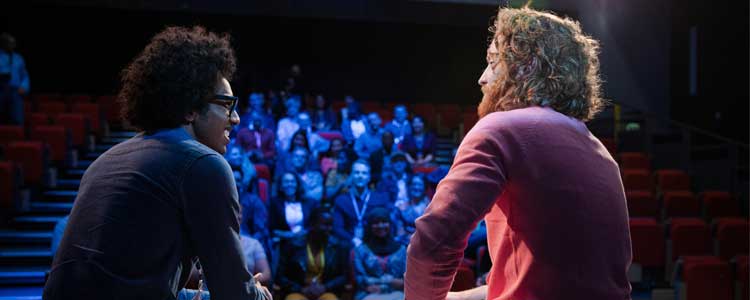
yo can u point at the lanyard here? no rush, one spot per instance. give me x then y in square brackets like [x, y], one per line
[316, 265]
[360, 214]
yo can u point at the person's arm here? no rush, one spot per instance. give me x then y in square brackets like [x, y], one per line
[262, 267]
[462, 199]
[339, 224]
[211, 211]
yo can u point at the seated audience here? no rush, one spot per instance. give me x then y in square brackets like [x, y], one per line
[394, 182]
[420, 145]
[288, 125]
[317, 143]
[312, 180]
[353, 122]
[257, 140]
[256, 104]
[371, 140]
[349, 209]
[379, 262]
[399, 126]
[255, 256]
[328, 160]
[337, 180]
[314, 266]
[323, 116]
[408, 212]
[380, 160]
[289, 211]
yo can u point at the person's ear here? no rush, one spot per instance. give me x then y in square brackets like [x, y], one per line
[190, 117]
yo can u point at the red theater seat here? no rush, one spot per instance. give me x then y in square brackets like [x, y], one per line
[681, 204]
[92, 112]
[80, 98]
[338, 105]
[37, 118]
[672, 180]
[77, 124]
[49, 97]
[10, 133]
[111, 108]
[637, 179]
[55, 137]
[424, 170]
[263, 190]
[718, 204]
[450, 115]
[263, 171]
[31, 157]
[706, 277]
[470, 119]
[52, 108]
[8, 184]
[642, 204]
[647, 242]
[369, 106]
[330, 135]
[732, 237]
[634, 160]
[689, 236]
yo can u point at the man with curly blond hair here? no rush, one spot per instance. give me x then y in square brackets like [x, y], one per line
[549, 192]
[147, 207]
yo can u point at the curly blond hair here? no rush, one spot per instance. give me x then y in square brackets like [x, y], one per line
[544, 60]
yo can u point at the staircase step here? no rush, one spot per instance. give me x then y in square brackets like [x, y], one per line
[68, 184]
[60, 196]
[25, 256]
[25, 238]
[36, 222]
[61, 207]
[20, 276]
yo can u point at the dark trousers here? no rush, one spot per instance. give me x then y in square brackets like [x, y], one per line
[11, 105]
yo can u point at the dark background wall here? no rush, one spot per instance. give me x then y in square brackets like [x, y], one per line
[394, 50]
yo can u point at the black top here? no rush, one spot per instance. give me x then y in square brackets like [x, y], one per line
[144, 209]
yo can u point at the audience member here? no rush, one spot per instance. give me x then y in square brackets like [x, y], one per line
[420, 145]
[380, 262]
[314, 266]
[237, 158]
[257, 140]
[399, 126]
[380, 160]
[317, 143]
[288, 125]
[350, 209]
[353, 122]
[323, 116]
[14, 81]
[256, 103]
[371, 140]
[337, 180]
[290, 210]
[408, 212]
[255, 255]
[395, 180]
[328, 160]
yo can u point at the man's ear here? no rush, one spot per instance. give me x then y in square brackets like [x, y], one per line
[190, 118]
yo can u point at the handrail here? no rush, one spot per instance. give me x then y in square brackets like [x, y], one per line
[685, 125]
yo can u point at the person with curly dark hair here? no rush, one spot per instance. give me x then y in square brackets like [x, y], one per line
[148, 207]
[548, 190]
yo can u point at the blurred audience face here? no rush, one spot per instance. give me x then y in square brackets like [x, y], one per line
[337, 145]
[303, 119]
[234, 157]
[292, 106]
[289, 185]
[299, 140]
[323, 224]
[400, 113]
[417, 125]
[416, 187]
[387, 139]
[320, 102]
[257, 101]
[399, 167]
[380, 227]
[299, 159]
[374, 120]
[341, 159]
[256, 120]
[360, 175]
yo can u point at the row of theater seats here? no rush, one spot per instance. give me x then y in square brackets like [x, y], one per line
[697, 242]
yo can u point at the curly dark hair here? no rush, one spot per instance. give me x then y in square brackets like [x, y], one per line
[175, 74]
[545, 60]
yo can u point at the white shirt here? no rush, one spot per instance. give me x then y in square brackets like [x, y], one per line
[294, 217]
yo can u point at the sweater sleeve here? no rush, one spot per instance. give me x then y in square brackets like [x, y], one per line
[462, 199]
[211, 212]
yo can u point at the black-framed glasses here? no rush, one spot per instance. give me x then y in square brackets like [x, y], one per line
[223, 100]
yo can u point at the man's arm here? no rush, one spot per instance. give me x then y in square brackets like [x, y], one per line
[462, 199]
[211, 211]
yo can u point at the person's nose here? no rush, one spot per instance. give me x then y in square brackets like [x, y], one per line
[485, 76]
[234, 118]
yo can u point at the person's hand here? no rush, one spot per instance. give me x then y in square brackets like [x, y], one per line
[263, 290]
[356, 242]
[317, 289]
[373, 289]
